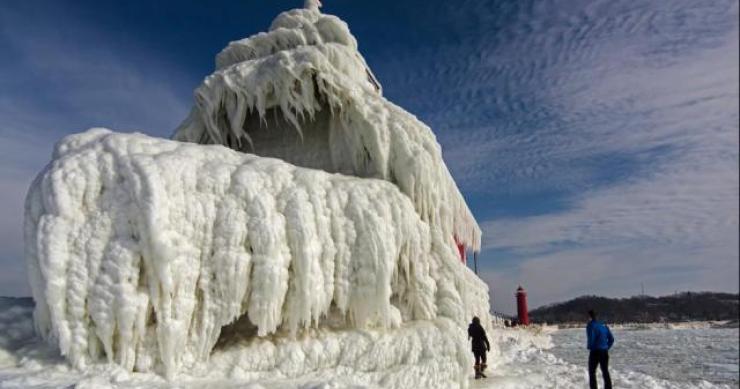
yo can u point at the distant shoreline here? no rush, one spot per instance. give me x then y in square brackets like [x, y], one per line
[676, 325]
[677, 308]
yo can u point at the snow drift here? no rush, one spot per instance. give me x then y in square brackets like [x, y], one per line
[150, 253]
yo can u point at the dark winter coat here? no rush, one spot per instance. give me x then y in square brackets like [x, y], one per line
[479, 339]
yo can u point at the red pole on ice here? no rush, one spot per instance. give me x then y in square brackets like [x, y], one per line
[460, 250]
[521, 306]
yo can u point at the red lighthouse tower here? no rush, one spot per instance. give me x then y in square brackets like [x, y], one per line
[521, 306]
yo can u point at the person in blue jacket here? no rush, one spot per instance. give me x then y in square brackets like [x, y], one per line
[599, 341]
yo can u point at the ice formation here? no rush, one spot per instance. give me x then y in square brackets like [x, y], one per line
[303, 93]
[334, 218]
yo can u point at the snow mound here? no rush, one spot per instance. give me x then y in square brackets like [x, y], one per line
[141, 250]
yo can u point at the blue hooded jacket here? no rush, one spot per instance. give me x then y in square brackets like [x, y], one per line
[598, 336]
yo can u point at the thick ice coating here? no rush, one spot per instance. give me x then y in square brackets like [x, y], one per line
[339, 226]
[141, 249]
[303, 93]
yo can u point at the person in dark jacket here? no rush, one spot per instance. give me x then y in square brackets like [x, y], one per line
[599, 341]
[480, 345]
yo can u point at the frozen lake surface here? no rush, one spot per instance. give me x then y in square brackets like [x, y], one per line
[649, 358]
[520, 359]
[680, 355]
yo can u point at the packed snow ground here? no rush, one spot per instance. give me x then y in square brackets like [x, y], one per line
[521, 360]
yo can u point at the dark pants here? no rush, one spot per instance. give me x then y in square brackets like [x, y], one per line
[480, 357]
[599, 358]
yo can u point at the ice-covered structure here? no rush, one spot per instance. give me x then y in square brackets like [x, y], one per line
[303, 93]
[333, 216]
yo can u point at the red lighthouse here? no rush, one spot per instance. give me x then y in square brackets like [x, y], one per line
[521, 306]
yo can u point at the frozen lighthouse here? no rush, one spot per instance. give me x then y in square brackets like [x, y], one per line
[297, 223]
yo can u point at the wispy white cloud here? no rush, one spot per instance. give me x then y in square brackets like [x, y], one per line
[617, 270]
[676, 230]
[634, 122]
[500, 87]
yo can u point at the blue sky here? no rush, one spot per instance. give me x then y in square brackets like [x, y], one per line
[596, 141]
